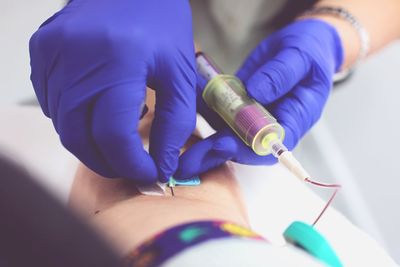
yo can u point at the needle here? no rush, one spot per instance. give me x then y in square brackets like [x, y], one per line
[171, 184]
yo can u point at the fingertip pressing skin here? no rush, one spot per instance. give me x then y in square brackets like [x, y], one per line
[175, 113]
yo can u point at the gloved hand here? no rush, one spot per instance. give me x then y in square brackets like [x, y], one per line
[290, 73]
[91, 63]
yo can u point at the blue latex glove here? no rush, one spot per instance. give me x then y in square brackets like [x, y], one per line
[91, 63]
[290, 73]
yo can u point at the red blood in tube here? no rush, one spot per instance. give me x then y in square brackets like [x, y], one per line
[250, 120]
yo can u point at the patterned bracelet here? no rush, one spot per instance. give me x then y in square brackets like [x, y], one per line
[361, 31]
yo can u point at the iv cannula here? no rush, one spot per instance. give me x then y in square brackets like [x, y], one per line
[257, 128]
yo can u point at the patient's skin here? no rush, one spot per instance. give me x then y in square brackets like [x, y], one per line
[128, 218]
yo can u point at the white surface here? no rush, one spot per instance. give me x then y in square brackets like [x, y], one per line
[18, 20]
[359, 211]
[242, 252]
[368, 109]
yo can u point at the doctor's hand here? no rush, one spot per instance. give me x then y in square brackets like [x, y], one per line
[91, 63]
[290, 73]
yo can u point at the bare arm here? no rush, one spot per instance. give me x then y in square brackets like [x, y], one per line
[380, 18]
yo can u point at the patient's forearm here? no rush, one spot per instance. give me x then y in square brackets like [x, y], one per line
[128, 218]
[91, 192]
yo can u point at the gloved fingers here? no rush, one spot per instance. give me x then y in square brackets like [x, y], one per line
[298, 111]
[216, 150]
[175, 113]
[115, 119]
[207, 154]
[73, 126]
[278, 75]
[264, 51]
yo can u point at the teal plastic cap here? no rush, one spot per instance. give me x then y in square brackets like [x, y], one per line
[307, 238]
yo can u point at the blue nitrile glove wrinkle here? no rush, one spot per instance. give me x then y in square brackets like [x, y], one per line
[290, 73]
[91, 63]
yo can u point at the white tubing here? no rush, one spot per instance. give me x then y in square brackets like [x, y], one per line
[293, 165]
